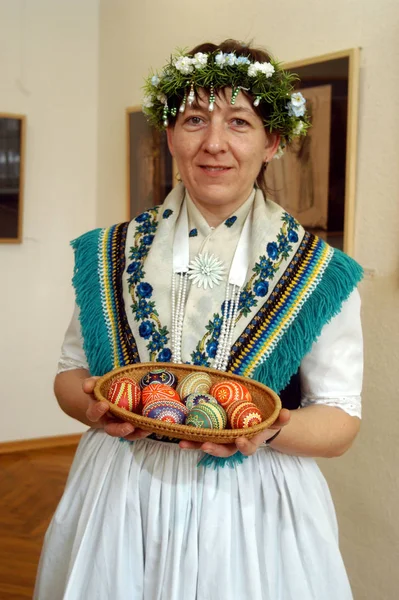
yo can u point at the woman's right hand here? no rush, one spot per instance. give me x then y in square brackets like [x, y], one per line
[98, 414]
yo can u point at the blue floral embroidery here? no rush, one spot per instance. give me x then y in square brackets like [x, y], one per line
[144, 310]
[145, 216]
[246, 302]
[144, 290]
[165, 355]
[261, 288]
[264, 271]
[146, 328]
[167, 213]
[211, 349]
[272, 250]
[193, 233]
[230, 221]
[199, 358]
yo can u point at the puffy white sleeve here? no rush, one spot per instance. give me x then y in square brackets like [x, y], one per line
[332, 372]
[72, 354]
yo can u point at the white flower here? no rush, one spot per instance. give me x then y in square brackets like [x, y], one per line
[279, 153]
[155, 80]
[162, 98]
[297, 99]
[200, 59]
[206, 270]
[184, 64]
[266, 68]
[253, 69]
[147, 102]
[221, 59]
[298, 128]
[231, 59]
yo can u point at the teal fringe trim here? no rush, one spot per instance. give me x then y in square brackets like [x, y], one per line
[88, 297]
[216, 462]
[339, 280]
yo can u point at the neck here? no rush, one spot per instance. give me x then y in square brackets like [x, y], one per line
[215, 214]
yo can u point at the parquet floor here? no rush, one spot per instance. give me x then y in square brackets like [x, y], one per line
[31, 484]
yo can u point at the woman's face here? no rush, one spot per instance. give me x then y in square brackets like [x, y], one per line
[219, 154]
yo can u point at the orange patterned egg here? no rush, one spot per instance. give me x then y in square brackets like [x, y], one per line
[243, 414]
[227, 392]
[158, 391]
[125, 394]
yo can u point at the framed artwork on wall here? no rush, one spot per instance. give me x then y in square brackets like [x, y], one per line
[12, 162]
[150, 167]
[315, 179]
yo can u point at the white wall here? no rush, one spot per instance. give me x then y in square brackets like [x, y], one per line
[135, 37]
[49, 72]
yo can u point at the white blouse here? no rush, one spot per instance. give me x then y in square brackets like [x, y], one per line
[331, 373]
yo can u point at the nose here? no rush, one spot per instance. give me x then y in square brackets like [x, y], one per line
[215, 140]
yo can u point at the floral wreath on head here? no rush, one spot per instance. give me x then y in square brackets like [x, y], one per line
[170, 90]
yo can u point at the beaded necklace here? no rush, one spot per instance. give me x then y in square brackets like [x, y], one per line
[183, 275]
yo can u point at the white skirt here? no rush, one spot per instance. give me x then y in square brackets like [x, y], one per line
[142, 521]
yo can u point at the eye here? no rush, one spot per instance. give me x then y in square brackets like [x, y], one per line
[240, 122]
[194, 121]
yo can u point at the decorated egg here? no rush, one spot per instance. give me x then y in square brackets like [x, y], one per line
[169, 411]
[158, 391]
[125, 394]
[193, 399]
[243, 414]
[158, 376]
[207, 415]
[194, 383]
[126, 379]
[227, 392]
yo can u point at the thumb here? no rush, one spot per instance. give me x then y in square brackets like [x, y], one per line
[89, 384]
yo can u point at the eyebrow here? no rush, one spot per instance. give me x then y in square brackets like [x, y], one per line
[230, 108]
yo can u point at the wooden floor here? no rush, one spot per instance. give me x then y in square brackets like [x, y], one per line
[31, 484]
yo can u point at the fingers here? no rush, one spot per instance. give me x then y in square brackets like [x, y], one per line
[283, 419]
[117, 429]
[96, 410]
[220, 450]
[138, 434]
[247, 447]
[88, 384]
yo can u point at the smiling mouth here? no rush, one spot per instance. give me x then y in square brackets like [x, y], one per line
[214, 169]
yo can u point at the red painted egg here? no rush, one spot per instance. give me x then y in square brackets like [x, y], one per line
[125, 395]
[243, 414]
[227, 392]
[158, 391]
[126, 379]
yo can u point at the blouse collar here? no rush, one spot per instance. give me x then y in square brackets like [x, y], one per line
[234, 223]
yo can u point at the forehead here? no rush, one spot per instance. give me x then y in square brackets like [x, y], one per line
[222, 100]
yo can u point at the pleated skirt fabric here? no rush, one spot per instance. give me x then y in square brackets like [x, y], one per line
[142, 521]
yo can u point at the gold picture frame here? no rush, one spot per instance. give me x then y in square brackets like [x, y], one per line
[316, 179]
[12, 176]
[150, 168]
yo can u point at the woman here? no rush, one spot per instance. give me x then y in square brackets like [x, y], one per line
[216, 276]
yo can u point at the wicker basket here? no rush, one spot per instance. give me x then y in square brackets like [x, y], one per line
[265, 399]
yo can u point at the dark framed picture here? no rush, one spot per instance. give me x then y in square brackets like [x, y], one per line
[150, 166]
[315, 178]
[12, 152]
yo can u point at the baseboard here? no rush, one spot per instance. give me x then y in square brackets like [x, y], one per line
[40, 443]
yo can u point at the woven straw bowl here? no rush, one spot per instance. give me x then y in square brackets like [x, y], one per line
[265, 399]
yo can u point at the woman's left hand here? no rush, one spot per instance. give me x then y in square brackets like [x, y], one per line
[245, 446]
